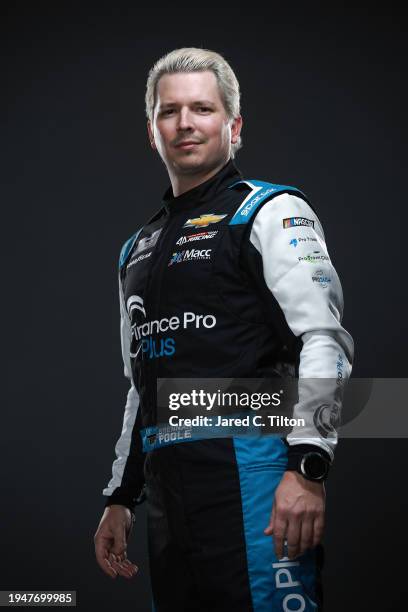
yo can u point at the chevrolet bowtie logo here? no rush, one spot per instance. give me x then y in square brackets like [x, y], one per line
[204, 220]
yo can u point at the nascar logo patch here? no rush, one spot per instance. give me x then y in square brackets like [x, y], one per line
[297, 222]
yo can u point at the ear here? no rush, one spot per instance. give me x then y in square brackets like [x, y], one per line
[236, 127]
[151, 135]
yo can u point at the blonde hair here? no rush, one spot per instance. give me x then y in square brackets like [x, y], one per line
[193, 59]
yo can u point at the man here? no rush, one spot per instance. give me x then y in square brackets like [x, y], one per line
[231, 279]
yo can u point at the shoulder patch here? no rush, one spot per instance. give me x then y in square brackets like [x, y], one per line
[260, 191]
[127, 248]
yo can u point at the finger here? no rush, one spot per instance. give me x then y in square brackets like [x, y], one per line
[306, 535]
[120, 544]
[128, 562]
[101, 553]
[318, 529]
[279, 535]
[294, 529]
[129, 570]
[121, 568]
[269, 528]
[103, 561]
[108, 569]
[131, 567]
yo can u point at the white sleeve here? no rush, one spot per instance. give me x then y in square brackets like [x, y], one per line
[123, 445]
[298, 271]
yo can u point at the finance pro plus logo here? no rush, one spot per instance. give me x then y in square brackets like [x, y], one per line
[156, 338]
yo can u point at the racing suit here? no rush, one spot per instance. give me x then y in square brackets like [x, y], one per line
[231, 279]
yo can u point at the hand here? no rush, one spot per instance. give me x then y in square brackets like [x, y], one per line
[111, 541]
[297, 514]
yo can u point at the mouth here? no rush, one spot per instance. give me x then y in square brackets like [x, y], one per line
[188, 144]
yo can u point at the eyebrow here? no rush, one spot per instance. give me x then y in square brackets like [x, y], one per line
[203, 102]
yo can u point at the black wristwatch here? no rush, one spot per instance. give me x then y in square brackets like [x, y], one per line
[312, 465]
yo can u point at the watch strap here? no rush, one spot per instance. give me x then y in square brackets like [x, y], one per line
[298, 461]
[297, 451]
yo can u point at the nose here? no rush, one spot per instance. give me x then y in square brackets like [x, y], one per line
[185, 121]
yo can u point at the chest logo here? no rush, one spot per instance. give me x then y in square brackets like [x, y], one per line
[189, 255]
[148, 242]
[204, 220]
[199, 236]
[136, 260]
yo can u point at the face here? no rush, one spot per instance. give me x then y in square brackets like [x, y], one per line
[189, 110]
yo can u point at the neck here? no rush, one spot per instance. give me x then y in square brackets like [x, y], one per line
[181, 183]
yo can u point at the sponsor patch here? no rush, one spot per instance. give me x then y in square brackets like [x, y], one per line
[295, 241]
[245, 211]
[135, 261]
[340, 366]
[326, 419]
[204, 220]
[297, 222]
[150, 339]
[314, 257]
[194, 237]
[189, 255]
[321, 279]
[148, 242]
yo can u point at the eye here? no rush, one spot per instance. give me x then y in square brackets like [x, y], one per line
[167, 111]
[204, 108]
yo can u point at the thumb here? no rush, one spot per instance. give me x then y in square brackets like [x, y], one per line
[269, 529]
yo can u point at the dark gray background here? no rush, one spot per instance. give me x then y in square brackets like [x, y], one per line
[324, 105]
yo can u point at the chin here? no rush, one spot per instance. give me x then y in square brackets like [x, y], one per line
[189, 163]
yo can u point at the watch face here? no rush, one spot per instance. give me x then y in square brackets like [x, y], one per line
[314, 466]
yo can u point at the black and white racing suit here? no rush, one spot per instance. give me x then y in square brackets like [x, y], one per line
[231, 279]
